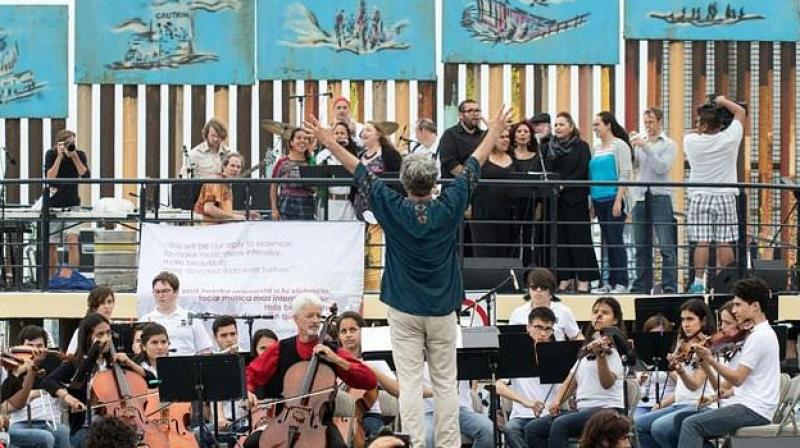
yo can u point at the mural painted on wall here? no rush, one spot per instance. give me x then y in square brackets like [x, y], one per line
[346, 39]
[744, 20]
[33, 61]
[531, 31]
[165, 41]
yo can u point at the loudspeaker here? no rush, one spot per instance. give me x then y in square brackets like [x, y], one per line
[482, 273]
[773, 272]
[722, 282]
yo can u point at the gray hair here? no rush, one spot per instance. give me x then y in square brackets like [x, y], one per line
[304, 300]
[426, 124]
[418, 174]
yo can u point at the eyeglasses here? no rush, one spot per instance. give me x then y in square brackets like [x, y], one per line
[535, 287]
[162, 291]
[542, 328]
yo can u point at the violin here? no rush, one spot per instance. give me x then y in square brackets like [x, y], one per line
[14, 357]
[300, 423]
[603, 342]
[122, 393]
[726, 346]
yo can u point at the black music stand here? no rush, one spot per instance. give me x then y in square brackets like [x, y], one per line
[201, 378]
[325, 172]
[652, 349]
[559, 357]
[667, 306]
[478, 360]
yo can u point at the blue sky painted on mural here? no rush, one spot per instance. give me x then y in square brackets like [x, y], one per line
[33, 61]
[165, 41]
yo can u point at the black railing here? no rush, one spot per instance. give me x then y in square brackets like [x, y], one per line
[755, 237]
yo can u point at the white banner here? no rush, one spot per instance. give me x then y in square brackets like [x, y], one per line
[255, 268]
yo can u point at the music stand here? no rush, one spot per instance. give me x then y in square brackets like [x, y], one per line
[325, 172]
[559, 357]
[201, 378]
[667, 306]
[652, 348]
[478, 360]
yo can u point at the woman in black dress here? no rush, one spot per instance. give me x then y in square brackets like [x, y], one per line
[526, 159]
[569, 156]
[494, 203]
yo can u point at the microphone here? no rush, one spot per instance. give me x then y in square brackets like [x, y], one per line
[514, 278]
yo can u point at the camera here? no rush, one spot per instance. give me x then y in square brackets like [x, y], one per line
[725, 116]
[71, 147]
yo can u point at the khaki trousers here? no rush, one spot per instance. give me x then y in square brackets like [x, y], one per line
[413, 339]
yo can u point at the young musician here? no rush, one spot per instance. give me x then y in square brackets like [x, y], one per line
[657, 428]
[100, 300]
[606, 429]
[597, 380]
[530, 398]
[350, 325]
[755, 378]
[262, 339]
[541, 284]
[226, 337]
[35, 420]
[155, 344]
[188, 337]
[70, 381]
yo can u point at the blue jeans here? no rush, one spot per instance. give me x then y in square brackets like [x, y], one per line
[38, 435]
[515, 432]
[547, 432]
[611, 229]
[665, 232]
[717, 422]
[659, 429]
[476, 426]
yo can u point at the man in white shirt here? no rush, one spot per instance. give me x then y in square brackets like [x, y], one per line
[205, 159]
[755, 378]
[186, 336]
[530, 399]
[712, 216]
[541, 284]
[226, 338]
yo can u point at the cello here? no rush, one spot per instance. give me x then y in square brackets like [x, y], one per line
[352, 429]
[310, 387]
[122, 393]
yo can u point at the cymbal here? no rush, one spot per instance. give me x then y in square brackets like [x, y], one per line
[276, 127]
[386, 128]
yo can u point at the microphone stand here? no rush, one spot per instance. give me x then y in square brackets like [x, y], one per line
[301, 102]
[489, 297]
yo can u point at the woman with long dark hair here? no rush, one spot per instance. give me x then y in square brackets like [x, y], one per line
[611, 161]
[493, 203]
[525, 152]
[569, 156]
[606, 429]
[597, 379]
[658, 428]
[293, 202]
[94, 344]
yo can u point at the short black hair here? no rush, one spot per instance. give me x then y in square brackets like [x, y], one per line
[32, 332]
[261, 333]
[541, 277]
[543, 313]
[752, 289]
[464, 103]
[223, 321]
[352, 315]
[111, 433]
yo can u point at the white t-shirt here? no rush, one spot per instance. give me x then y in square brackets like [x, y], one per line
[684, 395]
[186, 339]
[531, 388]
[712, 158]
[565, 327]
[43, 408]
[464, 391]
[760, 391]
[383, 367]
[590, 393]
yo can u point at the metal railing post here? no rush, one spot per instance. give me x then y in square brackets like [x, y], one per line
[648, 268]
